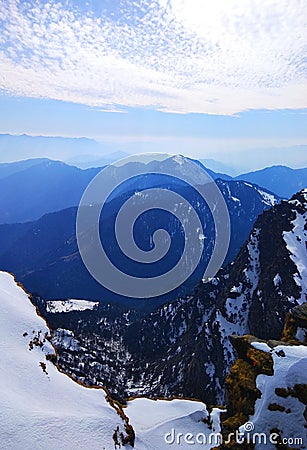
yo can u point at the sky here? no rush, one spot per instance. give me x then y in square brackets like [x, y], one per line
[222, 79]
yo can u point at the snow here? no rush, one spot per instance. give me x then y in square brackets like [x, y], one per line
[237, 289]
[65, 338]
[40, 407]
[179, 159]
[290, 364]
[235, 317]
[39, 410]
[301, 334]
[296, 241]
[268, 198]
[154, 419]
[237, 309]
[263, 346]
[235, 199]
[277, 280]
[59, 306]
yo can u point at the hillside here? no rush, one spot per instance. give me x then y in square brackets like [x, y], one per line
[183, 348]
[44, 255]
[281, 180]
[41, 407]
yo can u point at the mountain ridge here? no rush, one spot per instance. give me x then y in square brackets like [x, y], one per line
[183, 347]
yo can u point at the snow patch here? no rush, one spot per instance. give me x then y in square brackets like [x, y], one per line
[290, 364]
[268, 198]
[154, 419]
[296, 242]
[263, 346]
[59, 306]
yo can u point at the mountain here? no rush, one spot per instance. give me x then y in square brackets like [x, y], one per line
[183, 348]
[41, 407]
[39, 401]
[266, 394]
[267, 390]
[38, 188]
[281, 180]
[44, 254]
[7, 169]
[24, 145]
[89, 161]
[218, 166]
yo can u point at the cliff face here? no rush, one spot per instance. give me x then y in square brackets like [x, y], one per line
[266, 389]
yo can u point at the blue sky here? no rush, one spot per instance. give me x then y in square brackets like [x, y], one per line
[223, 79]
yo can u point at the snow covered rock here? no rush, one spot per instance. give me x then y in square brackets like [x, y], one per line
[267, 390]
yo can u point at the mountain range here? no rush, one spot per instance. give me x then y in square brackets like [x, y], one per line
[238, 339]
[281, 180]
[44, 254]
[32, 188]
[183, 348]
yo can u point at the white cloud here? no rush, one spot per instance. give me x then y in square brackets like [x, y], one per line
[202, 56]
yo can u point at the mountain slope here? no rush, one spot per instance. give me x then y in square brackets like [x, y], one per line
[41, 406]
[267, 390]
[281, 180]
[44, 255]
[41, 188]
[7, 169]
[183, 348]
[32, 188]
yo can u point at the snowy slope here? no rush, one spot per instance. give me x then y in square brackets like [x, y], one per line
[58, 306]
[158, 423]
[43, 409]
[296, 241]
[290, 363]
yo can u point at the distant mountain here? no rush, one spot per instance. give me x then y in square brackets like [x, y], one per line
[7, 169]
[89, 161]
[281, 180]
[184, 347]
[24, 146]
[32, 188]
[44, 254]
[218, 166]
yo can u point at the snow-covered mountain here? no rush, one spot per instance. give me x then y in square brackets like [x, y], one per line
[41, 407]
[44, 254]
[267, 391]
[183, 348]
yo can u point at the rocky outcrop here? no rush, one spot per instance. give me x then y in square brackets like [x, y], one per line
[247, 397]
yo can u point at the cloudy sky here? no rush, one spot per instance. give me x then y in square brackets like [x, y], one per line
[223, 79]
